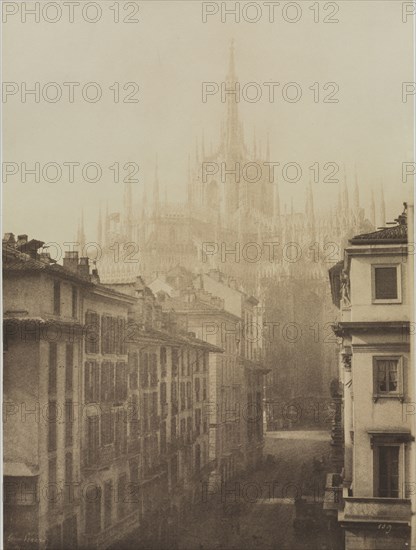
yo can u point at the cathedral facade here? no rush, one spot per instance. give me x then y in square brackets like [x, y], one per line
[238, 226]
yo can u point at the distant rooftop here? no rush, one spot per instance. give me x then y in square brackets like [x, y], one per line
[394, 234]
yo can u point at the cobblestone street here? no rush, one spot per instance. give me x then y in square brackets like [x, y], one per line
[259, 510]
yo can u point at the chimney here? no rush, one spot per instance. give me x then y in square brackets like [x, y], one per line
[95, 278]
[9, 239]
[21, 240]
[84, 268]
[71, 261]
[45, 257]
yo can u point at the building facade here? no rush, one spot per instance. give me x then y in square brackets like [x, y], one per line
[373, 289]
[217, 311]
[106, 399]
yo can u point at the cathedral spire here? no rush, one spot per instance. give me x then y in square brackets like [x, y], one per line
[232, 92]
[310, 211]
[345, 199]
[81, 233]
[144, 201]
[203, 146]
[189, 183]
[356, 194]
[100, 228]
[156, 201]
[231, 63]
[127, 210]
[372, 209]
[382, 208]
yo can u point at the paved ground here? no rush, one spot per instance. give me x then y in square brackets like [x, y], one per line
[260, 513]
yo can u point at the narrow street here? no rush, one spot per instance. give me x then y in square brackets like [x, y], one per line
[259, 511]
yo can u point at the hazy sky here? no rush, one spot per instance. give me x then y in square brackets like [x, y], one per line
[170, 52]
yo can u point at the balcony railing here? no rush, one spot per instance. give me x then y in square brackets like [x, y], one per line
[333, 493]
[373, 509]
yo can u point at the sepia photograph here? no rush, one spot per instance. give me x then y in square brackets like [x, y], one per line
[208, 275]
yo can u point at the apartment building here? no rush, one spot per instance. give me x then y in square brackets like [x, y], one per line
[373, 289]
[168, 385]
[65, 367]
[218, 312]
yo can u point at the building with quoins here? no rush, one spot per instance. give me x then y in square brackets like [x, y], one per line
[373, 288]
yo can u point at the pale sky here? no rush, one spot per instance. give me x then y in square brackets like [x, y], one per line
[170, 53]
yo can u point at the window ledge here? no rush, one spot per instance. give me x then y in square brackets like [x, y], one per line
[387, 301]
[397, 396]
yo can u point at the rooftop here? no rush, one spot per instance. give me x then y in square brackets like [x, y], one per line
[395, 234]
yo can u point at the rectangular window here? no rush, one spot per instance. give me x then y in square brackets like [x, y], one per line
[53, 367]
[57, 298]
[386, 283]
[122, 495]
[107, 428]
[108, 497]
[53, 493]
[69, 420]
[93, 512]
[163, 439]
[69, 367]
[175, 362]
[173, 428]
[74, 302]
[68, 478]
[92, 378]
[92, 332]
[163, 361]
[134, 417]
[388, 376]
[174, 397]
[153, 369]
[92, 444]
[144, 370]
[121, 382]
[197, 389]
[133, 371]
[198, 421]
[388, 471]
[52, 425]
[107, 382]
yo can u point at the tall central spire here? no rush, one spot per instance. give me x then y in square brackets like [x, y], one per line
[232, 97]
[156, 190]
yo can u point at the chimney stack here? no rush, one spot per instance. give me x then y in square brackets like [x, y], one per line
[21, 240]
[84, 268]
[95, 278]
[9, 239]
[71, 261]
[45, 257]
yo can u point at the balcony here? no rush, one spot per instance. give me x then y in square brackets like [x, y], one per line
[333, 494]
[374, 510]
